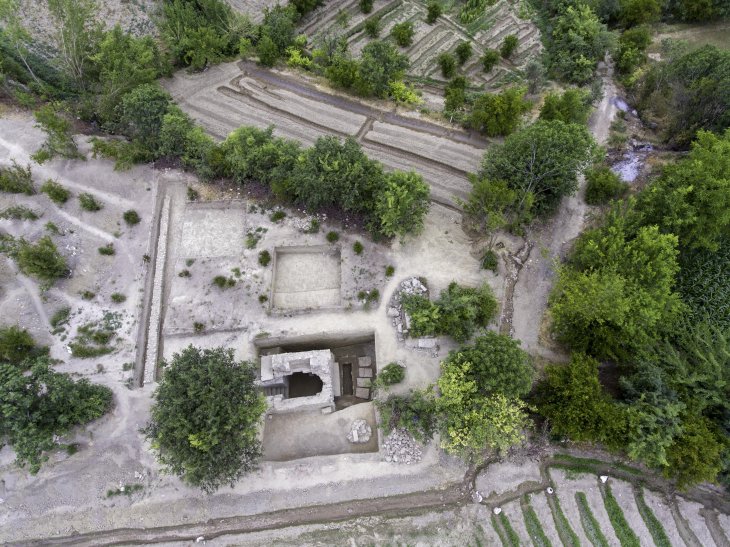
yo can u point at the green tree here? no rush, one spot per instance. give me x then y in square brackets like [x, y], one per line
[638, 12]
[455, 95]
[696, 455]
[653, 425]
[59, 138]
[490, 59]
[400, 205]
[77, 36]
[616, 294]
[373, 27]
[573, 106]
[603, 185]
[403, 33]
[380, 64]
[123, 62]
[541, 163]
[434, 11]
[631, 50]
[497, 365]
[490, 208]
[41, 260]
[572, 399]
[498, 114]
[38, 405]
[692, 197]
[578, 42]
[280, 25]
[509, 44]
[205, 418]
[464, 309]
[267, 51]
[463, 52]
[447, 63]
[16, 345]
[141, 114]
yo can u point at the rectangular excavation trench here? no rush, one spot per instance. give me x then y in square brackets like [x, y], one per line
[306, 277]
[296, 434]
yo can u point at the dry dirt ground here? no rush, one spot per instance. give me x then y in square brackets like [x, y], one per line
[229, 95]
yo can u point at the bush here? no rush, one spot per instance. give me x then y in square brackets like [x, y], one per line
[389, 271]
[490, 59]
[107, 250]
[403, 33]
[205, 418]
[87, 295]
[41, 260]
[277, 216]
[19, 212]
[498, 114]
[16, 345]
[357, 248]
[392, 374]
[89, 203]
[332, 237]
[198, 327]
[59, 140]
[463, 52]
[401, 205]
[490, 261]
[603, 185]
[447, 63]
[118, 298]
[509, 45]
[16, 179]
[264, 258]
[57, 193]
[573, 106]
[184, 273]
[434, 11]
[366, 6]
[415, 412]
[267, 51]
[131, 217]
[223, 282]
[372, 27]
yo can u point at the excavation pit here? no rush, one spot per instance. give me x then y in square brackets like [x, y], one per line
[306, 278]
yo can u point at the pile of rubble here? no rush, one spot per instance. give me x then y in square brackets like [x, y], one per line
[401, 447]
[360, 432]
[400, 319]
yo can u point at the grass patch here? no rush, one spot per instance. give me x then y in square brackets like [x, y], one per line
[131, 217]
[357, 248]
[118, 298]
[277, 216]
[223, 282]
[87, 295]
[57, 193]
[506, 533]
[534, 528]
[193, 194]
[19, 212]
[51, 227]
[333, 237]
[92, 339]
[656, 529]
[565, 531]
[590, 465]
[16, 180]
[313, 227]
[389, 271]
[589, 522]
[254, 236]
[60, 318]
[89, 203]
[625, 534]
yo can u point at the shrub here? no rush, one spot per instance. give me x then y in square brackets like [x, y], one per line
[463, 52]
[89, 202]
[59, 140]
[490, 261]
[392, 374]
[206, 416]
[264, 258]
[19, 212]
[87, 295]
[16, 345]
[57, 193]
[277, 216]
[424, 314]
[118, 298]
[447, 63]
[16, 179]
[366, 6]
[403, 33]
[372, 27]
[192, 194]
[107, 250]
[184, 273]
[434, 11]
[357, 248]
[603, 185]
[463, 309]
[198, 327]
[131, 217]
[263, 298]
[389, 271]
[41, 260]
[508, 46]
[223, 282]
[415, 412]
[332, 237]
[60, 317]
[490, 59]
[92, 340]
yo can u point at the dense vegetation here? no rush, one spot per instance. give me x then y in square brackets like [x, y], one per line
[204, 424]
[38, 405]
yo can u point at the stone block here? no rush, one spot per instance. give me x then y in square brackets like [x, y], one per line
[364, 361]
[362, 393]
[363, 382]
[364, 372]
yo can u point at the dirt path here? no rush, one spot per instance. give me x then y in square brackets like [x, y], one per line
[553, 240]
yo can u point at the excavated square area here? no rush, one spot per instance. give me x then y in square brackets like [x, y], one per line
[212, 232]
[307, 277]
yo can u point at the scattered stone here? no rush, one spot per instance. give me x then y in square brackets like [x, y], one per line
[497, 510]
[393, 312]
[604, 478]
[360, 432]
[427, 343]
[400, 447]
[476, 497]
[550, 490]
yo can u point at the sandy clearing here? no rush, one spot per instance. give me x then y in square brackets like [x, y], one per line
[506, 476]
[691, 512]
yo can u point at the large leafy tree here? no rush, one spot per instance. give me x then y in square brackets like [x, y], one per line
[77, 36]
[541, 164]
[141, 114]
[498, 114]
[616, 295]
[692, 197]
[37, 405]
[573, 106]
[400, 205]
[380, 64]
[204, 423]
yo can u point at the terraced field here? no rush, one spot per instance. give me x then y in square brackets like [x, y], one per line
[486, 31]
[230, 95]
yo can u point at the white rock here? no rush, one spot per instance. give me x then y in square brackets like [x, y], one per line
[604, 478]
[550, 490]
[497, 510]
